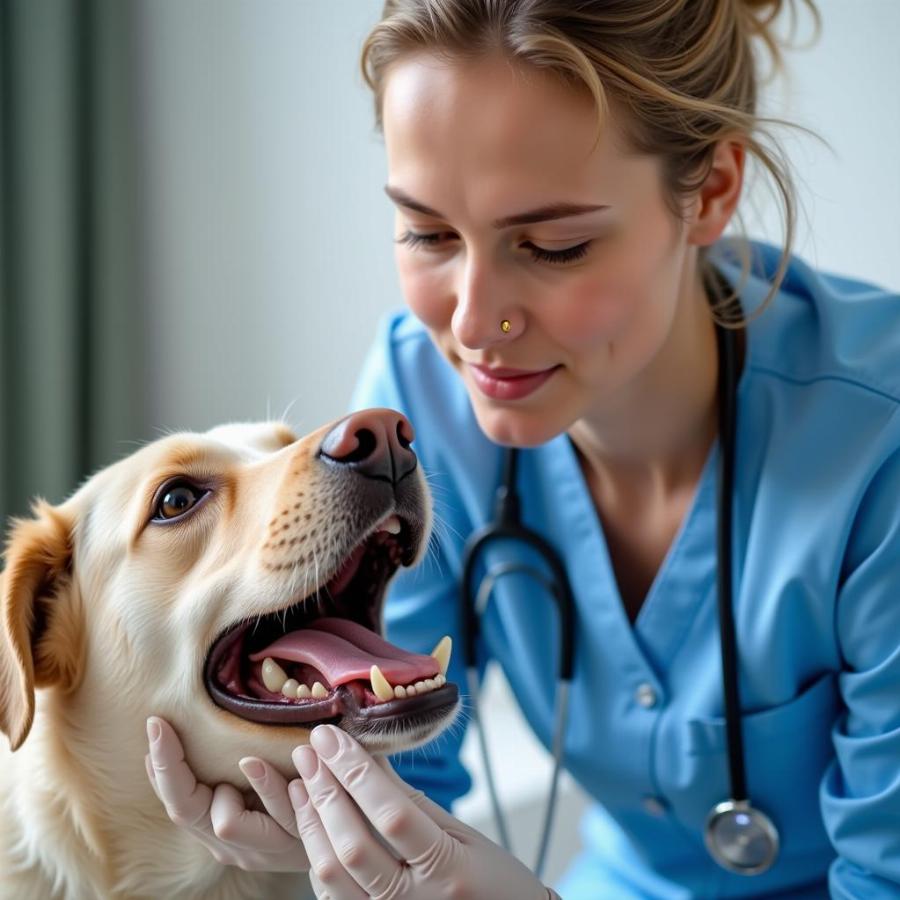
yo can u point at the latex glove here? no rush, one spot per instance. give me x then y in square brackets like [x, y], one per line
[417, 848]
[218, 817]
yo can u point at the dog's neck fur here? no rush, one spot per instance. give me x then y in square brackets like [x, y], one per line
[150, 857]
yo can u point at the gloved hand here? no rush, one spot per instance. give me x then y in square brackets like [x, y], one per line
[218, 818]
[416, 849]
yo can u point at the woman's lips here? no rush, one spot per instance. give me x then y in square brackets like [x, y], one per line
[508, 384]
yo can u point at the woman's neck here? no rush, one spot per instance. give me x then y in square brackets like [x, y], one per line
[656, 441]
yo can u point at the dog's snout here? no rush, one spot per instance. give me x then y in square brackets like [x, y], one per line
[374, 442]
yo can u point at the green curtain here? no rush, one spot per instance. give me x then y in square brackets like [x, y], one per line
[70, 356]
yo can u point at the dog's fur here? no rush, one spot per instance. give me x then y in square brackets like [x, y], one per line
[107, 618]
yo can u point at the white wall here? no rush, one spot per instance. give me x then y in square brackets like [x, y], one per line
[267, 235]
[846, 88]
[267, 232]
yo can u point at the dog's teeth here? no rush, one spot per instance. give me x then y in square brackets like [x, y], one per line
[391, 525]
[442, 653]
[420, 687]
[439, 680]
[273, 675]
[318, 691]
[303, 692]
[289, 688]
[380, 685]
[400, 691]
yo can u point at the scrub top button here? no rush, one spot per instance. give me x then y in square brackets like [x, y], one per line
[655, 806]
[646, 696]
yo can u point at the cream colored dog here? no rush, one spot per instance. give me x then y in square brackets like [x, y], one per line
[230, 582]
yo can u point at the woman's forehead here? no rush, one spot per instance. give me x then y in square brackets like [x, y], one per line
[495, 130]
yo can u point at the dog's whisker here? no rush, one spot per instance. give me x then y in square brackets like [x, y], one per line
[287, 409]
[443, 525]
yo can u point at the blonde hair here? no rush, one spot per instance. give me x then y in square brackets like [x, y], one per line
[684, 70]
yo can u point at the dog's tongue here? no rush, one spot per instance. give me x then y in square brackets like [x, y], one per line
[343, 650]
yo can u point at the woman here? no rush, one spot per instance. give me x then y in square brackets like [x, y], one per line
[563, 173]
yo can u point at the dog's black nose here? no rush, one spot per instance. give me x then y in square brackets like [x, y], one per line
[374, 442]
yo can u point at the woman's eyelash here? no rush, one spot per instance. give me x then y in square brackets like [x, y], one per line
[539, 254]
[413, 239]
[569, 254]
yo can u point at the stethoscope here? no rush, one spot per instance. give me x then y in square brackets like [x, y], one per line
[738, 836]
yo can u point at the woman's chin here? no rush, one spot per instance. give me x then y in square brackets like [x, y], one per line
[518, 428]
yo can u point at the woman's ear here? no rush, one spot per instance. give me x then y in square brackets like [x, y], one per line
[718, 197]
[41, 634]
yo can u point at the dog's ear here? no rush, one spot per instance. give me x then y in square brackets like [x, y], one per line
[41, 638]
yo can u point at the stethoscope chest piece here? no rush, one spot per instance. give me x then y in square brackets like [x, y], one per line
[740, 838]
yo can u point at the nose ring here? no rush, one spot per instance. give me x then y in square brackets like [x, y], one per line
[505, 326]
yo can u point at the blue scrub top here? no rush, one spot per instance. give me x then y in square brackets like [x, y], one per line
[816, 604]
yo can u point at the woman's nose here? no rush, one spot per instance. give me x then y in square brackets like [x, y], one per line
[481, 308]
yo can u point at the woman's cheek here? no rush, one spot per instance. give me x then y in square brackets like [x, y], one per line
[591, 312]
[425, 292]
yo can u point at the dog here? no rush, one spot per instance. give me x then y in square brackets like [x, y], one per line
[231, 582]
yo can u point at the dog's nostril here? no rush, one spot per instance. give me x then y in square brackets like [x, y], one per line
[367, 443]
[402, 439]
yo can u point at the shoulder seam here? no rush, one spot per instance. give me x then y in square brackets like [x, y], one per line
[401, 319]
[880, 392]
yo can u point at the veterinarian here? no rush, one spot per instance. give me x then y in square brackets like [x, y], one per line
[697, 418]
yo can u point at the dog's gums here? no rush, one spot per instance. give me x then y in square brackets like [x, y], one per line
[322, 659]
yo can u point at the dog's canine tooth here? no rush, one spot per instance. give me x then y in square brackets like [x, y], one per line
[442, 653]
[391, 525]
[273, 675]
[380, 685]
[318, 691]
[289, 688]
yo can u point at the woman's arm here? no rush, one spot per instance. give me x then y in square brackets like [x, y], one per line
[860, 792]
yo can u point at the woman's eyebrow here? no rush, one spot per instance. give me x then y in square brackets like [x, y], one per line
[541, 214]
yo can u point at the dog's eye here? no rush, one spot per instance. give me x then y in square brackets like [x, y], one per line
[176, 500]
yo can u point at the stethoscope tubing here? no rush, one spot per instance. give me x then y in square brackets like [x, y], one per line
[726, 339]
[507, 525]
[562, 712]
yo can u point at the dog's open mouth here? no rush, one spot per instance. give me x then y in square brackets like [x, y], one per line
[323, 660]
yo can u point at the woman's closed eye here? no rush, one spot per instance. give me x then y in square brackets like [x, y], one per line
[566, 254]
[433, 240]
[417, 239]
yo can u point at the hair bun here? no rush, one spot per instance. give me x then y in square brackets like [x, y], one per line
[760, 16]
